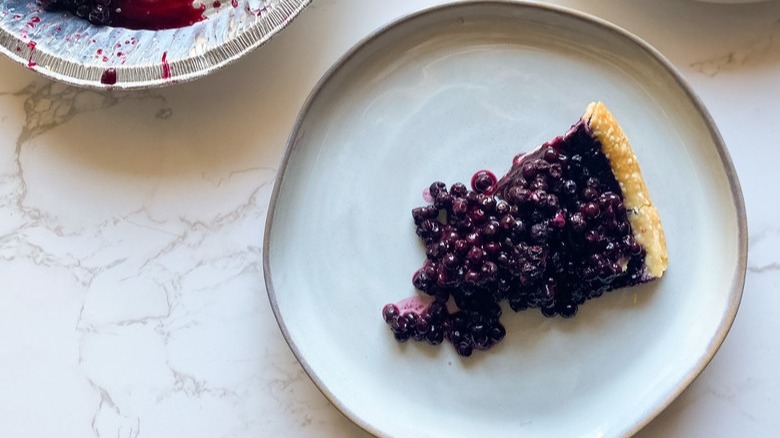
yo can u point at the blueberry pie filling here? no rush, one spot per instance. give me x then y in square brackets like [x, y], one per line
[569, 221]
[132, 14]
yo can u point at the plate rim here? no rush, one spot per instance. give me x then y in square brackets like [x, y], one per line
[736, 288]
[267, 26]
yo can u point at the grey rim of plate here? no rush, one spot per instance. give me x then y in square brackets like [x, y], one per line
[65, 47]
[736, 288]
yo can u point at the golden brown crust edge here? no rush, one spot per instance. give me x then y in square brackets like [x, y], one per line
[642, 214]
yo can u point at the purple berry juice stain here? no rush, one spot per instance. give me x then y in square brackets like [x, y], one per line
[108, 77]
[30, 62]
[166, 68]
[426, 195]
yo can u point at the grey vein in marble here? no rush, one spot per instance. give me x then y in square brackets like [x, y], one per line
[762, 50]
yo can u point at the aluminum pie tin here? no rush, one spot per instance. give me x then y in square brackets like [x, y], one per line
[63, 47]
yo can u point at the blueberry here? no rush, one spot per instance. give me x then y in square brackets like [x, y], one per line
[400, 324]
[589, 273]
[591, 210]
[458, 189]
[492, 248]
[609, 198]
[497, 333]
[442, 200]
[450, 261]
[634, 248]
[389, 312]
[433, 251]
[577, 221]
[82, 11]
[559, 220]
[430, 268]
[419, 214]
[552, 203]
[488, 203]
[555, 171]
[459, 206]
[569, 187]
[445, 279]
[474, 239]
[528, 171]
[516, 195]
[489, 271]
[476, 255]
[490, 231]
[49, 5]
[401, 337]
[478, 216]
[100, 15]
[483, 182]
[567, 310]
[518, 228]
[502, 259]
[435, 188]
[518, 303]
[502, 208]
[422, 281]
[550, 154]
[435, 336]
[464, 349]
[540, 232]
[506, 222]
[590, 194]
[482, 341]
[422, 326]
[592, 238]
[465, 224]
[539, 184]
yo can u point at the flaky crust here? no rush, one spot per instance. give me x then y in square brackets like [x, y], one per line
[642, 214]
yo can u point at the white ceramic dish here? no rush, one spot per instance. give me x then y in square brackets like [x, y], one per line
[731, 1]
[440, 95]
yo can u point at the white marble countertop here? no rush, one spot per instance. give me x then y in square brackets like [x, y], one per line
[132, 301]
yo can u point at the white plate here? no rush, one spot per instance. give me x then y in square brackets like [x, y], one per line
[441, 95]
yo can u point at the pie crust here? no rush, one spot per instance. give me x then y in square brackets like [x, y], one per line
[642, 213]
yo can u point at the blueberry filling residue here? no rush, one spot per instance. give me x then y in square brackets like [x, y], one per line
[550, 234]
[96, 11]
[131, 14]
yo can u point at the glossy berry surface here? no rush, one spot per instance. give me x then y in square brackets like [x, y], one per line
[131, 14]
[96, 11]
[550, 234]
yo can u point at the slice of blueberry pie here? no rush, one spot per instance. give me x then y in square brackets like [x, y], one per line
[569, 221]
